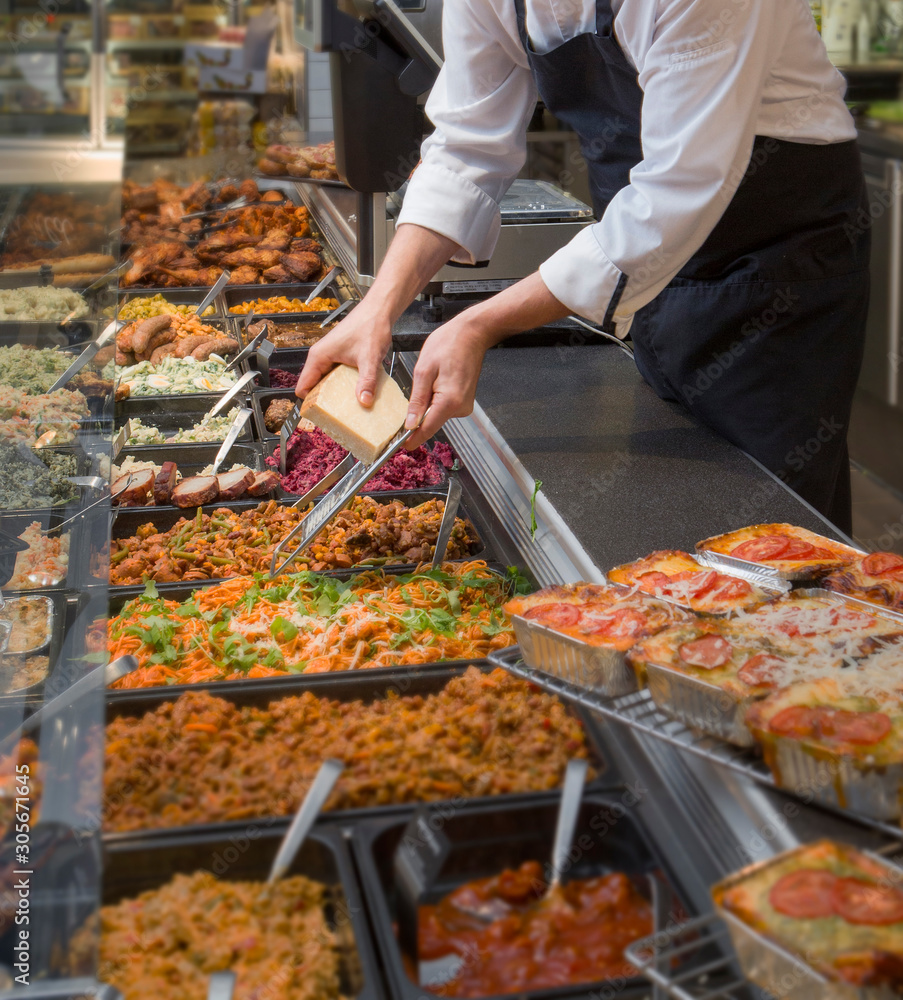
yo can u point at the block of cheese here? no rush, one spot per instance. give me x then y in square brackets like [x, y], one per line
[333, 406]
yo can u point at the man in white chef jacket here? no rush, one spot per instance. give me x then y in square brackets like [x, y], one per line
[726, 180]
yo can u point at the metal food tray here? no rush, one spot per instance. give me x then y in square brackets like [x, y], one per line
[363, 685]
[767, 963]
[58, 608]
[483, 843]
[284, 319]
[139, 866]
[640, 712]
[732, 564]
[60, 511]
[130, 519]
[700, 705]
[15, 524]
[856, 602]
[597, 668]
[160, 412]
[177, 296]
[236, 294]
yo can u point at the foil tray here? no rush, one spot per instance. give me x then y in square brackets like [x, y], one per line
[701, 706]
[778, 970]
[594, 667]
[836, 780]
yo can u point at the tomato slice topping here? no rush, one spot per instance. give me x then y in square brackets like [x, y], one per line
[859, 901]
[622, 623]
[762, 549]
[729, 589]
[799, 722]
[554, 615]
[837, 724]
[709, 652]
[762, 670]
[806, 894]
[653, 582]
[861, 728]
[882, 563]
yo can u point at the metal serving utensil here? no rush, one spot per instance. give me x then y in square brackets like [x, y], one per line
[218, 286]
[338, 498]
[99, 677]
[241, 418]
[85, 357]
[452, 502]
[246, 352]
[221, 986]
[334, 315]
[305, 817]
[232, 392]
[231, 206]
[285, 432]
[322, 283]
[84, 510]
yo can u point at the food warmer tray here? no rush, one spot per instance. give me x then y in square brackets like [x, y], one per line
[178, 297]
[236, 294]
[129, 519]
[640, 712]
[486, 840]
[58, 622]
[169, 416]
[56, 513]
[191, 458]
[15, 524]
[364, 685]
[144, 864]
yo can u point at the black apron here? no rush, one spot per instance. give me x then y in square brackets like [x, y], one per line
[761, 334]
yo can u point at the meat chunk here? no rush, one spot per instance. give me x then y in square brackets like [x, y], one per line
[302, 265]
[234, 484]
[195, 490]
[165, 483]
[264, 482]
[135, 492]
[277, 413]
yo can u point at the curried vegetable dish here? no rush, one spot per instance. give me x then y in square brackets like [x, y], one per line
[230, 543]
[482, 734]
[306, 623]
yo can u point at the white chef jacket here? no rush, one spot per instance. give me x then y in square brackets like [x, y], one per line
[715, 74]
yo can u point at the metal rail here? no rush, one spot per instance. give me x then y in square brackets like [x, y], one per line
[640, 712]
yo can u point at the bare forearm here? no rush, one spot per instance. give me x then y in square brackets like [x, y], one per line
[523, 306]
[414, 256]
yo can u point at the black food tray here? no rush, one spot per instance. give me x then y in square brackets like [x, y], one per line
[288, 359]
[286, 319]
[59, 512]
[130, 519]
[15, 524]
[174, 413]
[142, 865]
[358, 685]
[487, 840]
[45, 333]
[177, 296]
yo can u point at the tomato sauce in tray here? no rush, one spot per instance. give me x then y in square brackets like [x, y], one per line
[515, 935]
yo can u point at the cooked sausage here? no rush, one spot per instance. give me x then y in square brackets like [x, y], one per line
[146, 329]
[234, 484]
[165, 483]
[159, 339]
[137, 491]
[219, 345]
[162, 352]
[124, 358]
[186, 345]
[194, 491]
[124, 337]
[264, 482]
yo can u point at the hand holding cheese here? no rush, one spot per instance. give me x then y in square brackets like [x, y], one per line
[333, 406]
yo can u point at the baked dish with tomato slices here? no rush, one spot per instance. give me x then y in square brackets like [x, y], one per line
[707, 673]
[838, 739]
[596, 614]
[676, 576]
[836, 911]
[876, 578]
[581, 632]
[829, 628]
[792, 553]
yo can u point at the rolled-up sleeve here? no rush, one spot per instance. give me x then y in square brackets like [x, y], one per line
[703, 77]
[480, 106]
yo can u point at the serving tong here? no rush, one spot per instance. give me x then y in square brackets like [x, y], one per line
[322, 283]
[349, 477]
[86, 356]
[241, 418]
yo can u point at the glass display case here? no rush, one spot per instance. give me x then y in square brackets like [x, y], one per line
[57, 246]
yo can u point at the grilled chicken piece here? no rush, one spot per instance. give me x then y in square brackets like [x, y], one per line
[279, 239]
[278, 275]
[226, 241]
[248, 189]
[306, 245]
[245, 275]
[258, 259]
[302, 265]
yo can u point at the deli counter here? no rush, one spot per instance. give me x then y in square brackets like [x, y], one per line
[173, 694]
